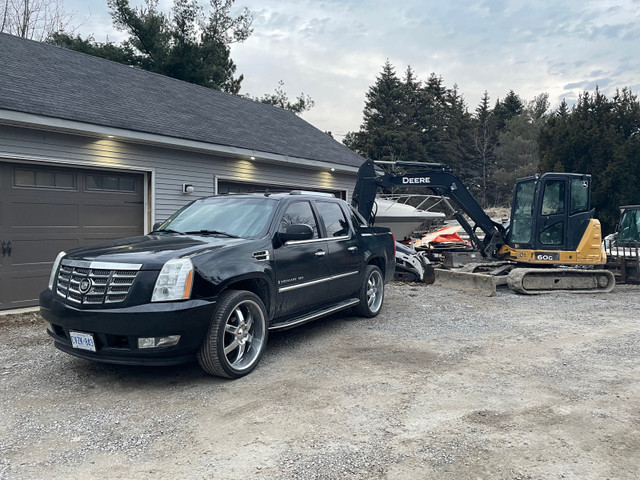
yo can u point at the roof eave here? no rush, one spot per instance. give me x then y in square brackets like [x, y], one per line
[40, 122]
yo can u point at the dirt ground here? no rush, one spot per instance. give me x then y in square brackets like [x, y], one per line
[441, 385]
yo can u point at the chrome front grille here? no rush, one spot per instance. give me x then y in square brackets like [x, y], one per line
[95, 283]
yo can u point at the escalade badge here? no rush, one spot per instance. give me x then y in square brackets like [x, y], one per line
[84, 286]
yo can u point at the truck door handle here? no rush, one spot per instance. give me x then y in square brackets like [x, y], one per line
[320, 253]
[4, 248]
[353, 249]
[9, 248]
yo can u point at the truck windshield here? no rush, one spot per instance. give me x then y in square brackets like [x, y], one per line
[226, 215]
[630, 226]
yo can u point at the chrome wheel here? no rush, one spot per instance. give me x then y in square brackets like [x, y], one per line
[375, 290]
[371, 292]
[237, 335]
[243, 335]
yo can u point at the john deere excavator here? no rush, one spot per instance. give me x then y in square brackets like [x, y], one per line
[553, 243]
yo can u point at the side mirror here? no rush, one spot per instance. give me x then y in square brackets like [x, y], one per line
[156, 226]
[295, 232]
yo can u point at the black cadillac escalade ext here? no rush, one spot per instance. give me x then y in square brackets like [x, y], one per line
[211, 281]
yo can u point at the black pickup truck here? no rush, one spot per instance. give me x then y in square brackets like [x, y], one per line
[214, 279]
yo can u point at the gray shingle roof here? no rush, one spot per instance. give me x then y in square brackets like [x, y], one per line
[46, 80]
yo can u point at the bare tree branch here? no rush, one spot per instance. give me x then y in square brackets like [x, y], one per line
[34, 19]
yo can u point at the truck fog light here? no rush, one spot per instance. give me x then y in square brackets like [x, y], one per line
[154, 342]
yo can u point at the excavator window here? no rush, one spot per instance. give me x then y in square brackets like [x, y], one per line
[522, 216]
[553, 199]
[579, 196]
[554, 235]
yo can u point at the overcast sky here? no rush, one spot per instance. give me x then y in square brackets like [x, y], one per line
[333, 50]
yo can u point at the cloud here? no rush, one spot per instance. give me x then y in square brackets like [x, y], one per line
[334, 49]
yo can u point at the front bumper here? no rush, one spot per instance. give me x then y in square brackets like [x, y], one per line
[116, 330]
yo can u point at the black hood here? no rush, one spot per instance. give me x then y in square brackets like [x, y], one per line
[152, 251]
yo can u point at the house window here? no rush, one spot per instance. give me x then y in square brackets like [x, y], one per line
[44, 179]
[112, 183]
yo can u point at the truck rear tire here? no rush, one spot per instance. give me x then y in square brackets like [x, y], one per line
[371, 293]
[237, 335]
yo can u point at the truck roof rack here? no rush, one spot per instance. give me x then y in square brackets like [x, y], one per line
[307, 192]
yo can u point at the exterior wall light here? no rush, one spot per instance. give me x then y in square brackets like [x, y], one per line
[333, 169]
[253, 158]
[187, 188]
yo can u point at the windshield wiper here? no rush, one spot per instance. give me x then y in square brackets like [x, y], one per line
[167, 230]
[211, 232]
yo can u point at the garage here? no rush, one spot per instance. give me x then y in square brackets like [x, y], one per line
[112, 150]
[44, 210]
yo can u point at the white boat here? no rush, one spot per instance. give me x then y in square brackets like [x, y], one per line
[399, 214]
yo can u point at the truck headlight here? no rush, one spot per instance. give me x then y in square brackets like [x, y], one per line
[174, 282]
[54, 269]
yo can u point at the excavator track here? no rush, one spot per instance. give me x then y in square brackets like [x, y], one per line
[532, 281]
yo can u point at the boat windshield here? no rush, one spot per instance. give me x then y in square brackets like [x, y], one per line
[228, 216]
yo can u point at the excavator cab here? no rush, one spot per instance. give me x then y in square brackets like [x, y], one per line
[552, 221]
[550, 211]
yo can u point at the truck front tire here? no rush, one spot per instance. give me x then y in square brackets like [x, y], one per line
[237, 335]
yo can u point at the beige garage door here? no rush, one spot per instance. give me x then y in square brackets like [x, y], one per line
[45, 210]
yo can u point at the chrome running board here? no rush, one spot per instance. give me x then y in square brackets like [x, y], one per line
[294, 322]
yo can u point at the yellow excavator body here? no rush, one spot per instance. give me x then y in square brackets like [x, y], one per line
[589, 251]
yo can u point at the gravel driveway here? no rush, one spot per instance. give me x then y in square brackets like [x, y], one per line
[443, 385]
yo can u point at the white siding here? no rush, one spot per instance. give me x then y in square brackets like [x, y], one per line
[171, 167]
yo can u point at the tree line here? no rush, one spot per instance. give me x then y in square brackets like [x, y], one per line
[404, 118]
[407, 119]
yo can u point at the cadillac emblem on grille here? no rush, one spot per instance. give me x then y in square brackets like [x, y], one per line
[84, 286]
[95, 283]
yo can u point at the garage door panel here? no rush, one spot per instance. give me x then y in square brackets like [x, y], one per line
[121, 216]
[20, 290]
[40, 214]
[37, 251]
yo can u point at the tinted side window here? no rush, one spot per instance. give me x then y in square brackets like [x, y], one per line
[579, 196]
[553, 199]
[299, 212]
[333, 218]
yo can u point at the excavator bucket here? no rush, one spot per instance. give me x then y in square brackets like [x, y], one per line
[478, 283]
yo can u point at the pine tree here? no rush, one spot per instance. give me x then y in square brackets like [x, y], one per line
[599, 137]
[381, 134]
[484, 142]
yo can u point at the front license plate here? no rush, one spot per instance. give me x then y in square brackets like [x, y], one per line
[83, 341]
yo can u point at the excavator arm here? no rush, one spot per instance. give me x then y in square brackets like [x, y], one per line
[438, 178]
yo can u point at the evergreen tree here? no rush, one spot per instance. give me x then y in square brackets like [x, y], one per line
[383, 131]
[484, 142]
[600, 137]
[185, 45]
[511, 106]
[517, 153]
